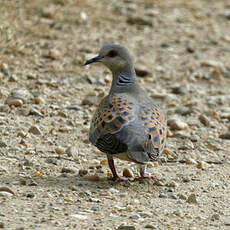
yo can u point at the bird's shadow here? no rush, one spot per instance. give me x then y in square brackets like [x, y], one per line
[74, 182]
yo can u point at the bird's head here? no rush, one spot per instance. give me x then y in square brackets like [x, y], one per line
[115, 57]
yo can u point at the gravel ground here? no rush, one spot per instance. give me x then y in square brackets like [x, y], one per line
[50, 175]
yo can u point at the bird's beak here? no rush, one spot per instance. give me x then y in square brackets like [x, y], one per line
[92, 60]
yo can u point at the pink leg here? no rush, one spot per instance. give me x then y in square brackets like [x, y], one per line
[145, 174]
[113, 170]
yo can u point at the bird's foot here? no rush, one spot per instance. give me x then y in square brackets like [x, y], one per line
[119, 179]
[146, 175]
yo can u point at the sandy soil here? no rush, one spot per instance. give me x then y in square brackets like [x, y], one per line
[50, 175]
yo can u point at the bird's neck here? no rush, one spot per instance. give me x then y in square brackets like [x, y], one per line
[123, 80]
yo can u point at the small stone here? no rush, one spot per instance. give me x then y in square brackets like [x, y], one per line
[194, 138]
[163, 195]
[128, 172]
[2, 144]
[2, 225]
[82, 172]
[135, 217]
[90, 100]
[141, 71]
[190, 161]
[54, 54]
[104, 162]
[51, 161]
[215, 217]
[226, 14]
[202, 165]
[4, 108]
[79, 217]
[225, 136]
[212, 63]
[190, 49]
[179, 90]
[74, 107]
[126, 227]
[11, 101]
[30, 195]
[21, 134]
[35, 130]
[172, 184]
[95, 208]
[39, 100]
[70, 151]
[7, 190]
[92, 178]
[177, 124]
[35, 111]
[204, 120]
[68, 170]
[137, 20]
[60, 150]
[192, 199]
[150, 226]
[182, 197]
[13, 78]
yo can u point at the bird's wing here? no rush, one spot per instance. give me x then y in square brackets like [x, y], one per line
[154, 120]
[113, 114]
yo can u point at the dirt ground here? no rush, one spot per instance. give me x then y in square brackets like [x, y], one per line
[50, 175]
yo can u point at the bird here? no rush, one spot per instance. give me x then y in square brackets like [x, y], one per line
[127, 124]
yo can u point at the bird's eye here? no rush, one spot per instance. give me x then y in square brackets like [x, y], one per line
[112, 53]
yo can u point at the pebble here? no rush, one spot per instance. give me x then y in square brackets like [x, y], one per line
[202, 165]
[82, 172]
[12, 101]
[226, 14]
[177, 124]
[2, 225]
[215, 217]
[204, 120]
[225, 136]
[141, 71]
[7, 190]
[54, 54]
[59, 150]
[39, 100]
[190, 161]
[2, 144]
[21, 134]
[51, 161]
[13, 78]
[192, 199]
[194, 138]
[92, 178]
[35, 111]
[137, 20]
[74, 107]
[172, 184]
[79, 217]
[135, 217]
[4, 108]
[150, 226]
[179, 90]
[163, 195]
[34, 130]
[126, 227]
[68, 170]
[128, 172]
[182, 197]
[212, 63]
[95, 208]
[70, 151]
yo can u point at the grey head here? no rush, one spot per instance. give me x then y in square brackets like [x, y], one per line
[116, 58]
